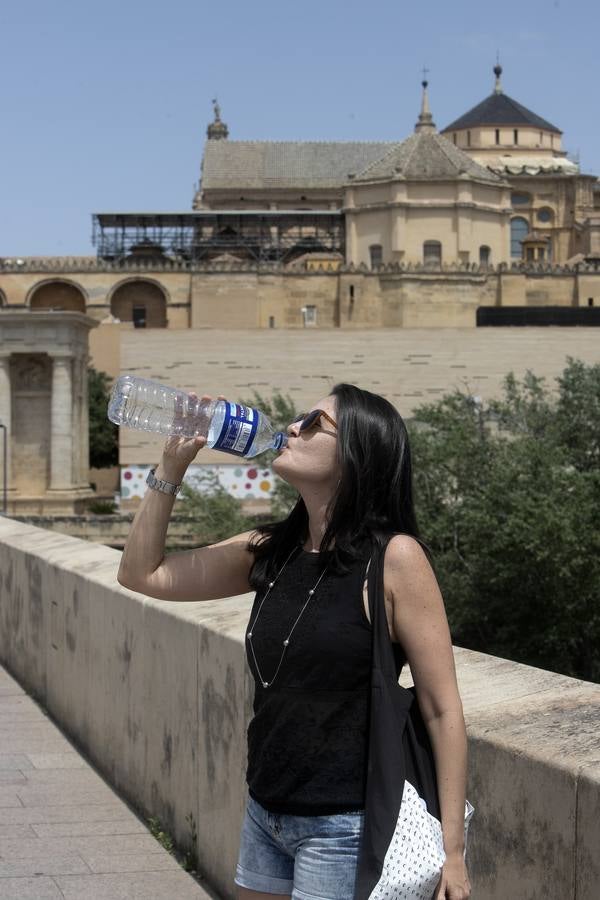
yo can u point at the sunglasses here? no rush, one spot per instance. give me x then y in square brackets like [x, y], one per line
[309, 420]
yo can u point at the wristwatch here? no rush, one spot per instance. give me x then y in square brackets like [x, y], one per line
[157, 484]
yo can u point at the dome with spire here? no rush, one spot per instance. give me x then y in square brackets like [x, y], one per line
[425, 155]
[499, 109]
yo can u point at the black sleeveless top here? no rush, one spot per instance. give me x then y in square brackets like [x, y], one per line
[307, 741]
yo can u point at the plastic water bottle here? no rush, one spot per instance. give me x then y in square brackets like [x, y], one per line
[150, 406]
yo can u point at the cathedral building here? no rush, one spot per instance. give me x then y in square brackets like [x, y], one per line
[486, 222]
[494, 186]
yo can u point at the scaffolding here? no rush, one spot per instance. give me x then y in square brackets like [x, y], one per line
[202, 236]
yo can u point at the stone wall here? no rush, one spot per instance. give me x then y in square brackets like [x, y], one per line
[251, 296]
[529, 289]
[159, 696]
[408, 366]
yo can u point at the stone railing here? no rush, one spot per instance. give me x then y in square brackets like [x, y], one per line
[159, 696]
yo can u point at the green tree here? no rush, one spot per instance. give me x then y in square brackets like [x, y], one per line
[508, 497]
[104, 435]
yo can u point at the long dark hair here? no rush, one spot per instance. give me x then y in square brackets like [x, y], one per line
[374, 497]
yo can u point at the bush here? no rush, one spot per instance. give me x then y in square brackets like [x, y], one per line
[216, 514]
[508, 497]
[101, 507]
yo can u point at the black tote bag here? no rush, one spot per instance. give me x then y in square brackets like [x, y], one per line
[401, 852]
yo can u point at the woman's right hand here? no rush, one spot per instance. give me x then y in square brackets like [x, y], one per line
[179, 452]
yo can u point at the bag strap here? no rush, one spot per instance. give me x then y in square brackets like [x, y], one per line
[383, 654]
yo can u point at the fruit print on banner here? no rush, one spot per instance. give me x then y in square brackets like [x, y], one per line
[241, 481]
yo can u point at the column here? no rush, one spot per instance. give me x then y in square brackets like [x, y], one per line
[398, 216]
[61, 428]
[76, 422]
[351, 240]
[84, 438]
[5, 419]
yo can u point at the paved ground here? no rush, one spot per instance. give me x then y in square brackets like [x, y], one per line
[64, 833]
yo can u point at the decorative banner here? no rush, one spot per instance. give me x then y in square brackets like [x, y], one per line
[244, 482]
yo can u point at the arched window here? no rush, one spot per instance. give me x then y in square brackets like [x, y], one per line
[484, 255]
[432, 253]
[141, 302]
[376, 254]
[58, 295]
[518, 229]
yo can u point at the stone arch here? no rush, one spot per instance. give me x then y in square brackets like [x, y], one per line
[142, 301]
[57, 293]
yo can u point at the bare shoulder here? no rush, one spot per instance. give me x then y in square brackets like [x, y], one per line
[405, 545]
[409, 578]
[404, 553]
[420, 623]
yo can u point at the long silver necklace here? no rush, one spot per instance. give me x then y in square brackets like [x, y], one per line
[286, 641]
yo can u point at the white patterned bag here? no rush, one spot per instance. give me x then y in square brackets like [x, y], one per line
[414, 859]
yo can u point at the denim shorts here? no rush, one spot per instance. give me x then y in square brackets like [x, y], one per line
[305, 857]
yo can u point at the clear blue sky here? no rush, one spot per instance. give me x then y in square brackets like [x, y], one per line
[105, 104]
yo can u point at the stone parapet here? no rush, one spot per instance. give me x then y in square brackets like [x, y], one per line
[159, 696]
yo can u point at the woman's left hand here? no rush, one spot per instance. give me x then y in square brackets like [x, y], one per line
[454, 882]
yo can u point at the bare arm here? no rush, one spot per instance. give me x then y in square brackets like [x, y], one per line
[207, 573]
[421, 626]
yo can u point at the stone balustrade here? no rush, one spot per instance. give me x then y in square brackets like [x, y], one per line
[159, 696]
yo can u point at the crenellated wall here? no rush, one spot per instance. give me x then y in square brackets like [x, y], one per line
[159, 696]
[248, 295]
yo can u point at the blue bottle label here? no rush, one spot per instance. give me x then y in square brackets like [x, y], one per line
[238, 430]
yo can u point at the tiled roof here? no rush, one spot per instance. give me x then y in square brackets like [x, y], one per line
[500, 109]
[426, 155]
[286, 164]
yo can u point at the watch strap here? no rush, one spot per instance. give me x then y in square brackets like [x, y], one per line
[158, 484]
